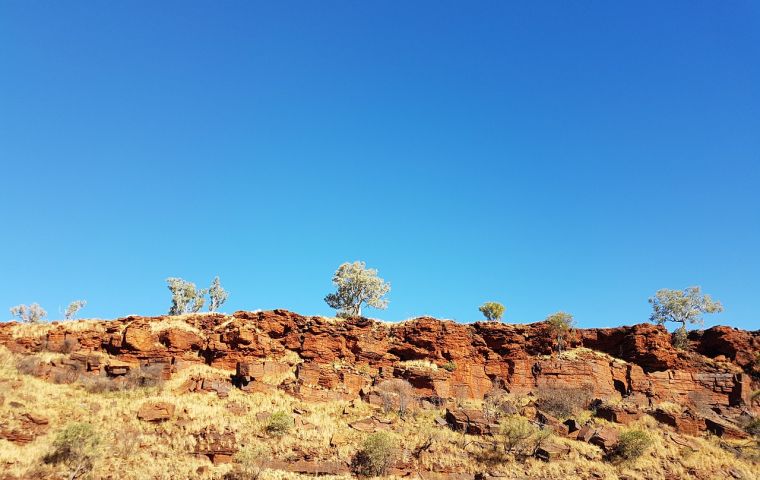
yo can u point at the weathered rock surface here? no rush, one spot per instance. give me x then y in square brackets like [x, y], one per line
[322, 359]
[24, 428]
[218, 446]
[469, 421]
[155, 411]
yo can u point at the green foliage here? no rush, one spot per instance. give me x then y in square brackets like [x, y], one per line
[76, 446]
[73, 308]
[753, 427]
[449, 366]
[378, 454]
[633, 444]
[560, 325]
[185, 297]
[29, 313]
[682, 306]
[217, 295]
[516, 432]
[680, 338]
[357, 285]
[493, 311]
[279, 423]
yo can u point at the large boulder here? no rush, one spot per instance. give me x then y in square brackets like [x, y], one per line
[155, 411]
[140, 338]
[605, 438]
[469, 421]
[624, 414]
[687, 422]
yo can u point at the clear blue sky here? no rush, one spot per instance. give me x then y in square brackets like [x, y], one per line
[549, 155]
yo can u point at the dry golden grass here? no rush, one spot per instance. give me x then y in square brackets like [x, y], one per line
[418, 364]
[136, 450]
[179, 322]
[36, 330]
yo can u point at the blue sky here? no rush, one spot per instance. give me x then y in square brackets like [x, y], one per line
[550, 155]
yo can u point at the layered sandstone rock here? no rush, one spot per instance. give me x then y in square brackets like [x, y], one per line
[323, 359]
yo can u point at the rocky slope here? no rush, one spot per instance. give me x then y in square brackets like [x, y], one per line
[627, 373]
[443, 360]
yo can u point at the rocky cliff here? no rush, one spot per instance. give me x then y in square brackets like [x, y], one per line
[320, 358]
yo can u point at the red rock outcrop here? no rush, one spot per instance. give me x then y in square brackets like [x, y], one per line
[322, 359]
[155, 411]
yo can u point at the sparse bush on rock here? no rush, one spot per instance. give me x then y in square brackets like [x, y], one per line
[279, 423]
[377, 455]
[633, 444]
[396, 393]
[515, 432]
[560, 325]
[33, 313]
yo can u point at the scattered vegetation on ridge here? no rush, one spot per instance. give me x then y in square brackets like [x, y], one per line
[493, 311]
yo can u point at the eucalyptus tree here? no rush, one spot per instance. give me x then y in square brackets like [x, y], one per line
[493, 311]
[33, 313]
[217, 295]
[73, 308]
[681, 306]
[356, 285]
[186, 297]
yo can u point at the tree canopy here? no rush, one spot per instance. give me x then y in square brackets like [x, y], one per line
[357, 285]
[493, 311]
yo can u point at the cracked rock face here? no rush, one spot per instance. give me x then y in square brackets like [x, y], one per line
[322, 359]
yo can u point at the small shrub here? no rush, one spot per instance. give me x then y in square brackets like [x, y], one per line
[66, 375]
[28, 365]
[378, 454]
[560, 325]
[145, 377]
[279, 424]
[70, 345]
[680, 338]
[76, 446]
[753, 427]
[248, 463]
[498, 403]
[449, 366]
[100, 383]
[633, 444]
[564, 402]
[396, 393]
[516, 432]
